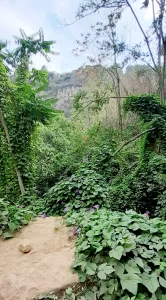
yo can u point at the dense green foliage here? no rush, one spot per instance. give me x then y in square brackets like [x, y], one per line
[12, 218]
[51, 165]
[21, 108]
[122, 254]
[85, 188]
[142, 189]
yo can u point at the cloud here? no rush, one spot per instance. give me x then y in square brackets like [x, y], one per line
[30, 16]
[64, 10]
[51, 15]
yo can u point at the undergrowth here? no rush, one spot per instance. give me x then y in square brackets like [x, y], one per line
[12, 218]
[122, 254]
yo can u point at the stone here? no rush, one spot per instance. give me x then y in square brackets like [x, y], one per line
[25, 246]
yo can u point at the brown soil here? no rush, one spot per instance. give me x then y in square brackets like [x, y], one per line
[46, 268]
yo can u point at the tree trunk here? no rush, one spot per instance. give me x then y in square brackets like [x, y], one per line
[19, 178]
[118, 95]
[119, 109]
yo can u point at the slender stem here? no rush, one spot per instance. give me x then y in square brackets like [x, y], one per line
[133, 139]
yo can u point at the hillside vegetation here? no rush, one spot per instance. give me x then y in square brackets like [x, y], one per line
[90, 145]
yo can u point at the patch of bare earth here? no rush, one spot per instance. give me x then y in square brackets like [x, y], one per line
[46, 268]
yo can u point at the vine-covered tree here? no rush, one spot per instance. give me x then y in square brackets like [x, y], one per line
[21, 108]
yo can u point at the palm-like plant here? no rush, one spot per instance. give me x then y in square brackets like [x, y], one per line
[32, 44]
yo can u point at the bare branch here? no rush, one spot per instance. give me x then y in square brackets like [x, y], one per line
[143, 32]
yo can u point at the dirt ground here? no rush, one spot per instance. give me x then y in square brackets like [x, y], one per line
[46, 268]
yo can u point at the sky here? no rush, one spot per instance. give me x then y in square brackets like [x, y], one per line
[51, 15]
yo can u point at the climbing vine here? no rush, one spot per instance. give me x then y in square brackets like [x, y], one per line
[143, 187]
[21, 109]
[153, 115]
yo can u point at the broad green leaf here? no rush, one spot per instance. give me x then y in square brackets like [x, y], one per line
[102, 267]
[12, 226]
[158, 246]
[90, 233]
[82, 264]
[107, 297]
[103, 288]
[119, 268]
[91, 268]
[148, 254]
[82, 256]
[130, 282]
[27, 217]
[82, 276]
[69, 291]
[113, 286]
[141, 296]
[126, 220]
[89, 295]
[117, 252]
[84, 245]
[150, 281]
[153, 297]
[155, 239]
[102, 275]
[109, 270]
[153, 229]
[144, 238]
[139, 262]
[106, 268]
[8, 235]
[162, 282]
[133, 268]
[144, 227]
[125, 298]
[129, 244]
[134, 226]
[155, 261]
[4, 213]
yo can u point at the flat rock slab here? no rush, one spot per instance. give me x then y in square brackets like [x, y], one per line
[46, 268]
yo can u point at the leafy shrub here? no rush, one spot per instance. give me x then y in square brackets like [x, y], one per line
[59, 150]
[121, 197]
[84, 189]
[32, 202]
[12, 218]
[146, 106]
[142, 189]
[61, 147]
[122, 254]
[103, 161]
[161, 206]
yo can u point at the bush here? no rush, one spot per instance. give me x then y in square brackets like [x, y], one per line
[12, 218]
[84, 189]
[161, 206]
[142, 189]
[32, 202]
[122, 255]
[104, 162]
